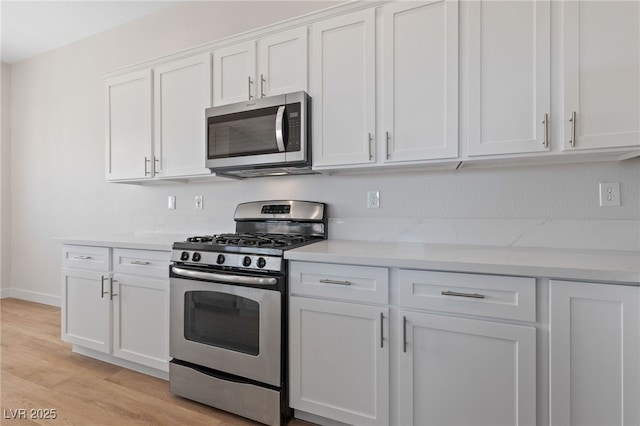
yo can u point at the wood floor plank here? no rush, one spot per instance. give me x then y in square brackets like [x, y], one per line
[39, 371]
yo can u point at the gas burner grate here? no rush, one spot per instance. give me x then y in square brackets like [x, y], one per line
[251, 240]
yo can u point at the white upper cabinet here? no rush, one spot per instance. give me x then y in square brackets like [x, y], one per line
[282, 63]
[419, 99]
[269, 66]
[343, 89]
[601, 53]
[234, 69]
[182, 91]
[508, 72]
[128, 126]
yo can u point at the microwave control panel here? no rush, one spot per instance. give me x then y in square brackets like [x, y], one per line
[294, 127]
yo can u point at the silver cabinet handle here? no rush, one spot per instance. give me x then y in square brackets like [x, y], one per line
[545, 139]
[250, 83]
[146, 169]
[111, 281]
[82, 257]
[388, 148]
[262, 81]
[404, 334]
[280, 128]
[454, 293]
[102, 292]
[156, 165]
[572, 120]
[370, 146]
[382, 329]
[327, 281]
[139, 262]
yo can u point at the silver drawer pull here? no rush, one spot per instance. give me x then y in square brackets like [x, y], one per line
[326, 281]
[139, 262]
[472, 295]
[82, 257]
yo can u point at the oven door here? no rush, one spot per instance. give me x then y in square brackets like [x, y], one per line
[226, 327]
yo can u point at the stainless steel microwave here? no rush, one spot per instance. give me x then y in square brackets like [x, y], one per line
[262, 137]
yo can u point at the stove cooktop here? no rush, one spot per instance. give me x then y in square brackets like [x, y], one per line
[263, 228]
[270, 244]
[252, 240]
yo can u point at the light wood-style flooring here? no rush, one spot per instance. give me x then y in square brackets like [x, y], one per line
[39, 371]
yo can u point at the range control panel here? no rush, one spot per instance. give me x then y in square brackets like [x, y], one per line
[233, 260]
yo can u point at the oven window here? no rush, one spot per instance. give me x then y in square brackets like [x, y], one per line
[223, 320]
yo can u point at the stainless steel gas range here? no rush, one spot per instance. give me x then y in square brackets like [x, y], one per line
[228, 309]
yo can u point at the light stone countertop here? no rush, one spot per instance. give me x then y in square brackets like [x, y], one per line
[144, 241]
[566, 264]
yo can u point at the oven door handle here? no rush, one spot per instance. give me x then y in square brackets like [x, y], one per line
[225, 278]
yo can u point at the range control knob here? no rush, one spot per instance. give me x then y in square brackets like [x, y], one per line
[246, 261]
[220, 259]
[196, 257]
[184, 256]
[261, 262]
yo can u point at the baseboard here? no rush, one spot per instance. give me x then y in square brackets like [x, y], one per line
[121, 362]
[318, 420]
[31, 296]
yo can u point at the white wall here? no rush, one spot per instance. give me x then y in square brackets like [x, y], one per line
[57, 157]
[5, 138]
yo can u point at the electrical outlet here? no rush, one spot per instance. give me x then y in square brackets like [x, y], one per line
[171, 202]
[610, 194]
[373, 199]
[198, 202]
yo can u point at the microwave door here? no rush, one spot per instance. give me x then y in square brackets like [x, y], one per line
[246, 138]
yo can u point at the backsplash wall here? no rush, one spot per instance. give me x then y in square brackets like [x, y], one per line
[58, 156]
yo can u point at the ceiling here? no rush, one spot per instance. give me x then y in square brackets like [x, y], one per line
[30, 28]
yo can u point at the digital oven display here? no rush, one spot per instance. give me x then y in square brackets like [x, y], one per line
[276, 209]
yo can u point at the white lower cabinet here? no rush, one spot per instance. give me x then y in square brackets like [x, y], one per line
[594, 354]
[86, 310]
[399, 362]
[141, 320]
[339, 360]
[463, 370]
[458, 371]
[120, 314]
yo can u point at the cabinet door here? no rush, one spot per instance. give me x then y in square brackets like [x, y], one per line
[594, 354]
[282, 63]
[86, 310]
[128, 126]
[182, 91]
[343, 89]
[141, 320]
[601, 55]
[339, 360]
[456, 371]
[234, 70]
[420, 80]
[508, 77]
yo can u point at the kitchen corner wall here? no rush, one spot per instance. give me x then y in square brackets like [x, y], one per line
[58, 161]
[5, 176]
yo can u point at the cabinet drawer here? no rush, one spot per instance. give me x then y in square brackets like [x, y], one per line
[86, 257]
[150, 263]
[346, 282]
[486, 295]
